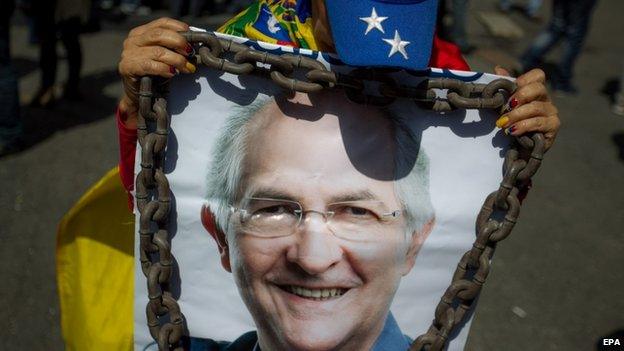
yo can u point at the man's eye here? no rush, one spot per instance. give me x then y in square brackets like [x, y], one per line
[274, 210]
[357, 212]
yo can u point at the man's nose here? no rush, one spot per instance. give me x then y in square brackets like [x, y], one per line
[315, 249]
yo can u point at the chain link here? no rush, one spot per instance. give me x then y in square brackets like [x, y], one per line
[153, 197]
[362, 85]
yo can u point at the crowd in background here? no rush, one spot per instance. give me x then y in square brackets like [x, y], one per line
[51, 21]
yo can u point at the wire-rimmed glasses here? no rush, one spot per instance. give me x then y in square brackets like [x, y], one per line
[362, 220]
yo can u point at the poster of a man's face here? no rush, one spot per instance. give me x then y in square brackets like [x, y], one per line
[311, 222]
[318, 218]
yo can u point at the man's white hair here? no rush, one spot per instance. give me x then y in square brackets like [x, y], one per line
[230, 147]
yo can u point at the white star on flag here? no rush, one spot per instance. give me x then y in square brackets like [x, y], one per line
[373, 21]
[397, 44]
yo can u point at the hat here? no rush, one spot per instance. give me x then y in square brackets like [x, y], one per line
[390, 33]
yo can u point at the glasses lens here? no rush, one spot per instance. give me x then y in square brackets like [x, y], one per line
[268, 217]
[358, 220]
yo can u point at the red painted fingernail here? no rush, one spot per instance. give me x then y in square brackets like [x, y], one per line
[189, 49]
[173, 70]
[513, 103]
[512, 129]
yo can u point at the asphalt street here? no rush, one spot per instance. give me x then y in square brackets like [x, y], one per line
[556, 284]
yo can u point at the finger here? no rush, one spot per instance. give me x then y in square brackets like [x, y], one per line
[164, 22]
[163, 37]
[171, 58]
[533, 76]
[499, 70]
[144, 67]
[549, 125]
[526, 94]
[170, 23]
[532, 109]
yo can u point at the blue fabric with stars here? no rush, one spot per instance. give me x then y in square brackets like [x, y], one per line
[393, 33]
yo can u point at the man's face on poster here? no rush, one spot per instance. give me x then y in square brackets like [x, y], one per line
[326, 279]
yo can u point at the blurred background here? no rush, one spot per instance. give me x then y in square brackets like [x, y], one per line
[557, 282]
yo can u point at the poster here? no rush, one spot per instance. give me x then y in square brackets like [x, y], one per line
[318, 222]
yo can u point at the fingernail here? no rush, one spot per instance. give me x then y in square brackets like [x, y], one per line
[510, 130]
[191, 67]
[173, 70]
[190, 51]
[501, 122]
[513, 102]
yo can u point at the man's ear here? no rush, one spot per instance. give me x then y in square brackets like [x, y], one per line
[416, 241]
[209, 222]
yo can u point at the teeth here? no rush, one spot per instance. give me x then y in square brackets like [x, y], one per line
[316, 294]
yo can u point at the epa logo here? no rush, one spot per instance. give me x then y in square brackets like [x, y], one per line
[611, 342]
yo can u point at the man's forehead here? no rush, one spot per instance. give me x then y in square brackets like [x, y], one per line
[326, 126]
[339, 155]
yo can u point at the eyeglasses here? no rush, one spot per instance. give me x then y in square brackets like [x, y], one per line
[364, 220]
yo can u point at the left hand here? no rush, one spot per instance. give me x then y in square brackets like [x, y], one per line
[530, 109]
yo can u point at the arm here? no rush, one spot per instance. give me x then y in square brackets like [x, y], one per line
[154, 49]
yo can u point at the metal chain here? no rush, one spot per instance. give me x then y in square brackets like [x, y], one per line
[153, 197]
[362, 85]
[474, 266]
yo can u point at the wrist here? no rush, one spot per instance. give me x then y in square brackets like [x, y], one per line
[128, 111]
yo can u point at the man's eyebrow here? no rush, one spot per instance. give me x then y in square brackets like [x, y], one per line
[271, 193]
[354, 196]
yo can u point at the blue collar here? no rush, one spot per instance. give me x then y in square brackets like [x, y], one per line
[391, 338]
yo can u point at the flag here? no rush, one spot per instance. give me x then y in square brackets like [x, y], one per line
[95, 269]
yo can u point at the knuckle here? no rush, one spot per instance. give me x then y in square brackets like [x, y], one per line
[523, 93]
[158, 52]
[179, 40]
[121, 68]
[180, 61]
[163, 21]
[146, 66]
[557, 123]
[539, 123]
[156, 33]
[535, 108]
[539, 74]
[153, 66]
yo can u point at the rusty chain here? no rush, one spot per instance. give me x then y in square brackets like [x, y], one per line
[361, 85]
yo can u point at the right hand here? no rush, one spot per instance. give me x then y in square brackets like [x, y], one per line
[156, 49]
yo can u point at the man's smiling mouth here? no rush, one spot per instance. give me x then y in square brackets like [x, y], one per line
[314, 294]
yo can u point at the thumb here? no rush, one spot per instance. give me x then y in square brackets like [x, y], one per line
[501, 71]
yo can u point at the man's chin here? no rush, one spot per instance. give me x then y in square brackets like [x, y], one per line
[308, 336]
[313, 323]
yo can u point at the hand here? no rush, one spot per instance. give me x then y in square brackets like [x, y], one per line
[530, 109]
[156, 49]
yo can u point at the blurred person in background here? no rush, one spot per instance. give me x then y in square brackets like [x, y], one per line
[618, 105]
[459, 15]
[531, 9]
[195, 7]
[54, 19]
[10, 122]
[569, 23]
